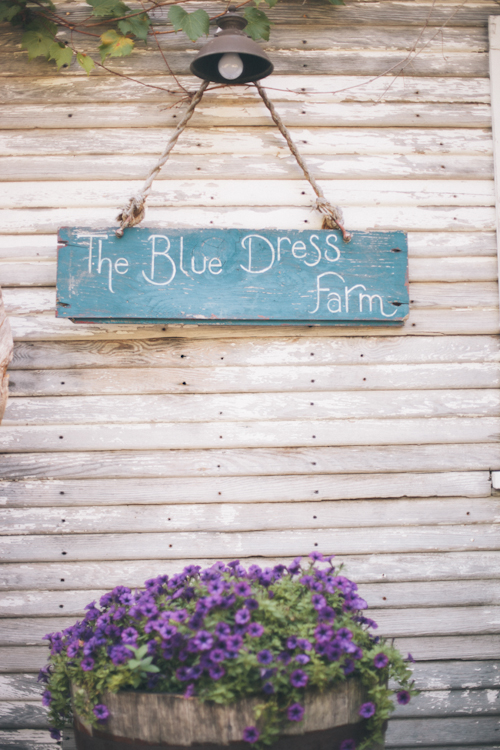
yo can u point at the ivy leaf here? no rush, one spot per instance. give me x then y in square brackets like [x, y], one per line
[108, 7]
[61, 54]
[86, 62]
[272, 3]
[137, 25]
[9, 10]
[259, 24]
[37, 43]
[193, 24]
[115, 45]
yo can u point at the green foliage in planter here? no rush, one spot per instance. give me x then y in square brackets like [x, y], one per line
[224, 634]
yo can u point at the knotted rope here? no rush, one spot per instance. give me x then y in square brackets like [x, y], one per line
[133, 213]
[332, 215]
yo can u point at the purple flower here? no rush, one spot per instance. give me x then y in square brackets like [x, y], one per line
[295, 566]
[251, 604]
[316, 557]
[119, 654]
[101, 712]
[381, 660]
[302, 659]
[217, 655]
[242, 616]
[264, 657]
[403, 697]
[234, 643]
[410, 659]
[46, 698]
[87, 664]
[189, 691]
[222, 629]
[268, 688]
[73, 649]
[255, 630]
[298, 678]
[44, 674]
[251, 734]
[323, 633]
[183, 674]
[291, 642]
[348, 745]
[55, 733]
[349, 666]
[242, 589]
[367, 710]
[216, 672]
[130, 636]
[295, 712]
[204, 640]
[304, 644]
[327, 613]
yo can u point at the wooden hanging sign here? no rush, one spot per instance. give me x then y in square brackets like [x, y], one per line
[232, 276]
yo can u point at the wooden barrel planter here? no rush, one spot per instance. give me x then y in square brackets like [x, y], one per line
[161, 721]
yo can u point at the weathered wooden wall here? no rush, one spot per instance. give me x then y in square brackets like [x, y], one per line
[130, 449]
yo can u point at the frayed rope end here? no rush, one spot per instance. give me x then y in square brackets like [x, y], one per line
[131, 215]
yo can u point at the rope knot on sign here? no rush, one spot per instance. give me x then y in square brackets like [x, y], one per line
[133, 213]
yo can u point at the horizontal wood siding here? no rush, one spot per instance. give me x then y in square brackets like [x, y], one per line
[128, 450]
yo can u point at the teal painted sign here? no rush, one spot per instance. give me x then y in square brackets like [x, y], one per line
[232, 276]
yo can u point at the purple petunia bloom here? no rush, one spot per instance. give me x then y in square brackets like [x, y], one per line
[46, 698]
[348, 745]
[251, 604]
[349, 667]
[295, 712]
[204, 640]
[291, 642]
[265, 657]
[304, 644]
[87, 664]
[216, 672]
[251, 734]
[119, 654]
[242, 616]
[268, 688]
[298, 678]
[323, 633]
[242, 589]
[73, 649]
[410, 659]
[381, 660]
[255, 630]
[55, 733]
[222, 629]
[316, 556]
[101, 712]
[234, 643]
[302, 659]
[189, 691]
[217, 655]
[130, 636]
[403, 697]
[327, 613]
[367, 710]
[183, 674]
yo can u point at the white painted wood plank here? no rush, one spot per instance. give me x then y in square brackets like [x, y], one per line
[406, 567]
[383, 596]
[350, 62]
[79, 382]
[71, 89]
[245, 434]
[193, 353]
[309, 114]
[408, 218]
[241, 166]
[25, 687]
[178, 545]
[439, 703]
[448, 731]
[216, 193]
[232, 516]
[63, 493]
[264, 141]
[227, 407]
[27, 739]
[421, 244]
[368, 459]
[432, 621]
[22, 715]
[421, 322]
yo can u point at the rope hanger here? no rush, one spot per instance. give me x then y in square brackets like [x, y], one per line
[134, 212]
